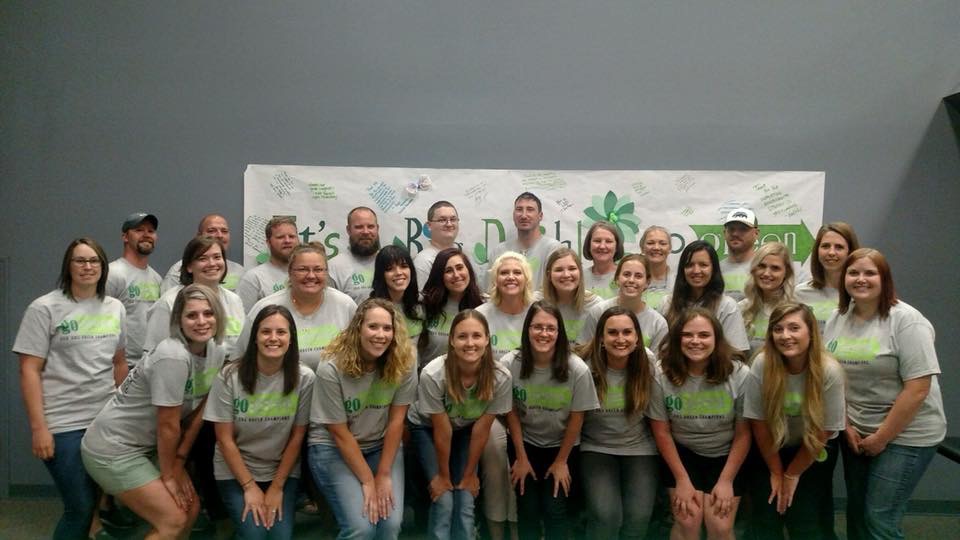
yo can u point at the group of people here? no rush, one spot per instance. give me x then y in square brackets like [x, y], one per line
[543, 385]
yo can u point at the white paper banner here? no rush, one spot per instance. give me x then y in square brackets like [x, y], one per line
[690, 204]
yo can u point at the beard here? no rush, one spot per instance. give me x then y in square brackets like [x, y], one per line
[144, 248]
[364, 248]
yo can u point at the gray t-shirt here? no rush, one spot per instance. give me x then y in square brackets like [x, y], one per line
[172, 279]
[757, 334]
[728, 313]
[601, 285]
[137, 289]
[608, 430]
[363, 403]
[505, 330]
[351, 274]
[536, 255]
[170, 376]
[77, 341]
[574, 320]
[834, 414]
[314, 331]
[652, 324]
[735, 276]
[544, 404]
[261, 281]
[423, 263]
[158, 318]
[658, 290]
[878, 356]
[823, 301]
[262, 421]
[702, 416]
[438, 333]
[432, 397]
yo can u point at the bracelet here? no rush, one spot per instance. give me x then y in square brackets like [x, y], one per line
[791, 476]
[181, 456]
[244, 484]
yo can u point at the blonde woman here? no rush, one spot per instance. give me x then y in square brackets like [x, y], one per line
[655, 246]
[794, 400]
[770, 284]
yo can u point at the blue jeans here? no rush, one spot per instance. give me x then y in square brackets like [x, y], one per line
[342, 491]
[232, 495]
[77, 490]
[620, 491]
[879, 487]
[451, 515]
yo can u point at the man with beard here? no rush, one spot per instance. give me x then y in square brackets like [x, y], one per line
[529, 242]
[131, 280]
[740, 230]
[351, 271]
[271, 276]
[214, 226]
[443, 223]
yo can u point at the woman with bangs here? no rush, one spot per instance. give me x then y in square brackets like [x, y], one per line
[834, 242]
[451, 288]
[794, 400]
[618, 456]
[138, 445]
[394, 278]
[631, 278]
[71, 338]
[552, 390]
[564, 287]
[769, 285]
[511, 294]
[260, 407]
[696, 415]
[604, 246]
[363, 388]
[459, 395]
[699, 283]
[656, 247]
[895, 416]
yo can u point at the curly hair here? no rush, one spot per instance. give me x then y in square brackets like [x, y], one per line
[395, 362]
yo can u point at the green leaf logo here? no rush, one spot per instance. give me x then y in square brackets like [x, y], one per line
[262, 257]
[616, 210]
[480, 253]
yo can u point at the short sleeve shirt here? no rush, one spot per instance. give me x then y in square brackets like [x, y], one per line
[137, 289]
[432, 398]
[352, 275]
[608, 430]
[259, 282]
[505, 329]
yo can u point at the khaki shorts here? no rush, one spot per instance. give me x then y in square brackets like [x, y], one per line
[116, 475]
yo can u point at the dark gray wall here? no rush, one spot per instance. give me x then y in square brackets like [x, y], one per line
[109, 107]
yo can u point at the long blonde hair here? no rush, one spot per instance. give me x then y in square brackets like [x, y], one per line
[753, 294]
[774, 387]
[394, 364]
[550, 292]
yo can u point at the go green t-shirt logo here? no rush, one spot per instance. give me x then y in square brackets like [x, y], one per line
[539, 396]
[379, 395]
[791, 403]
[279, 286]
[145, 291]
[315, 338]
[199, 384]
[615, 399]
[360, 279]
[702, 403]
[90, 325]
[470, 408]
[271, 404]
[854, 351]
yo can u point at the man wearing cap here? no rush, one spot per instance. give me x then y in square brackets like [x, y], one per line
[132, 281]
[740, 230]
[529, 241]
[271, 276]
[443, 224]
[215, 226]
[351, 271]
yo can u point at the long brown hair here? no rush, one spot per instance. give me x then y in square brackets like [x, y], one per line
[560, 363]
[451, 364]
[674, 363]
[845, 230]
[247, 366]
[637, 388]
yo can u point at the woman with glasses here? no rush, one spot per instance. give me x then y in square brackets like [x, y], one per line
[70, 345]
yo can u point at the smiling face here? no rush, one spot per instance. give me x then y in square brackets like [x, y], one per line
[469, 341]
[620, 337]
[142, 238]
[444, 226]
[832, 251]
[769, 274]
[376, 333]
[308, 273]
[656, 247]
[397, 277]
[863, 281]
[698, 271]
[273, 338]
[363, 232]
[85, 267]
[510, 280]
[216, 227]
[543, 334]
[632, 280]
[282, 240]
[791, 336]
[603, 245]
[456, 277]
[565, 276]
[697, 341]
[526, 215]
[208, 267]
[198, 322]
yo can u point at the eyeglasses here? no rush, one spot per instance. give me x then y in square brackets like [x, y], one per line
[93, 261]
[446, 221]
[306, 270]
[543, 329]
